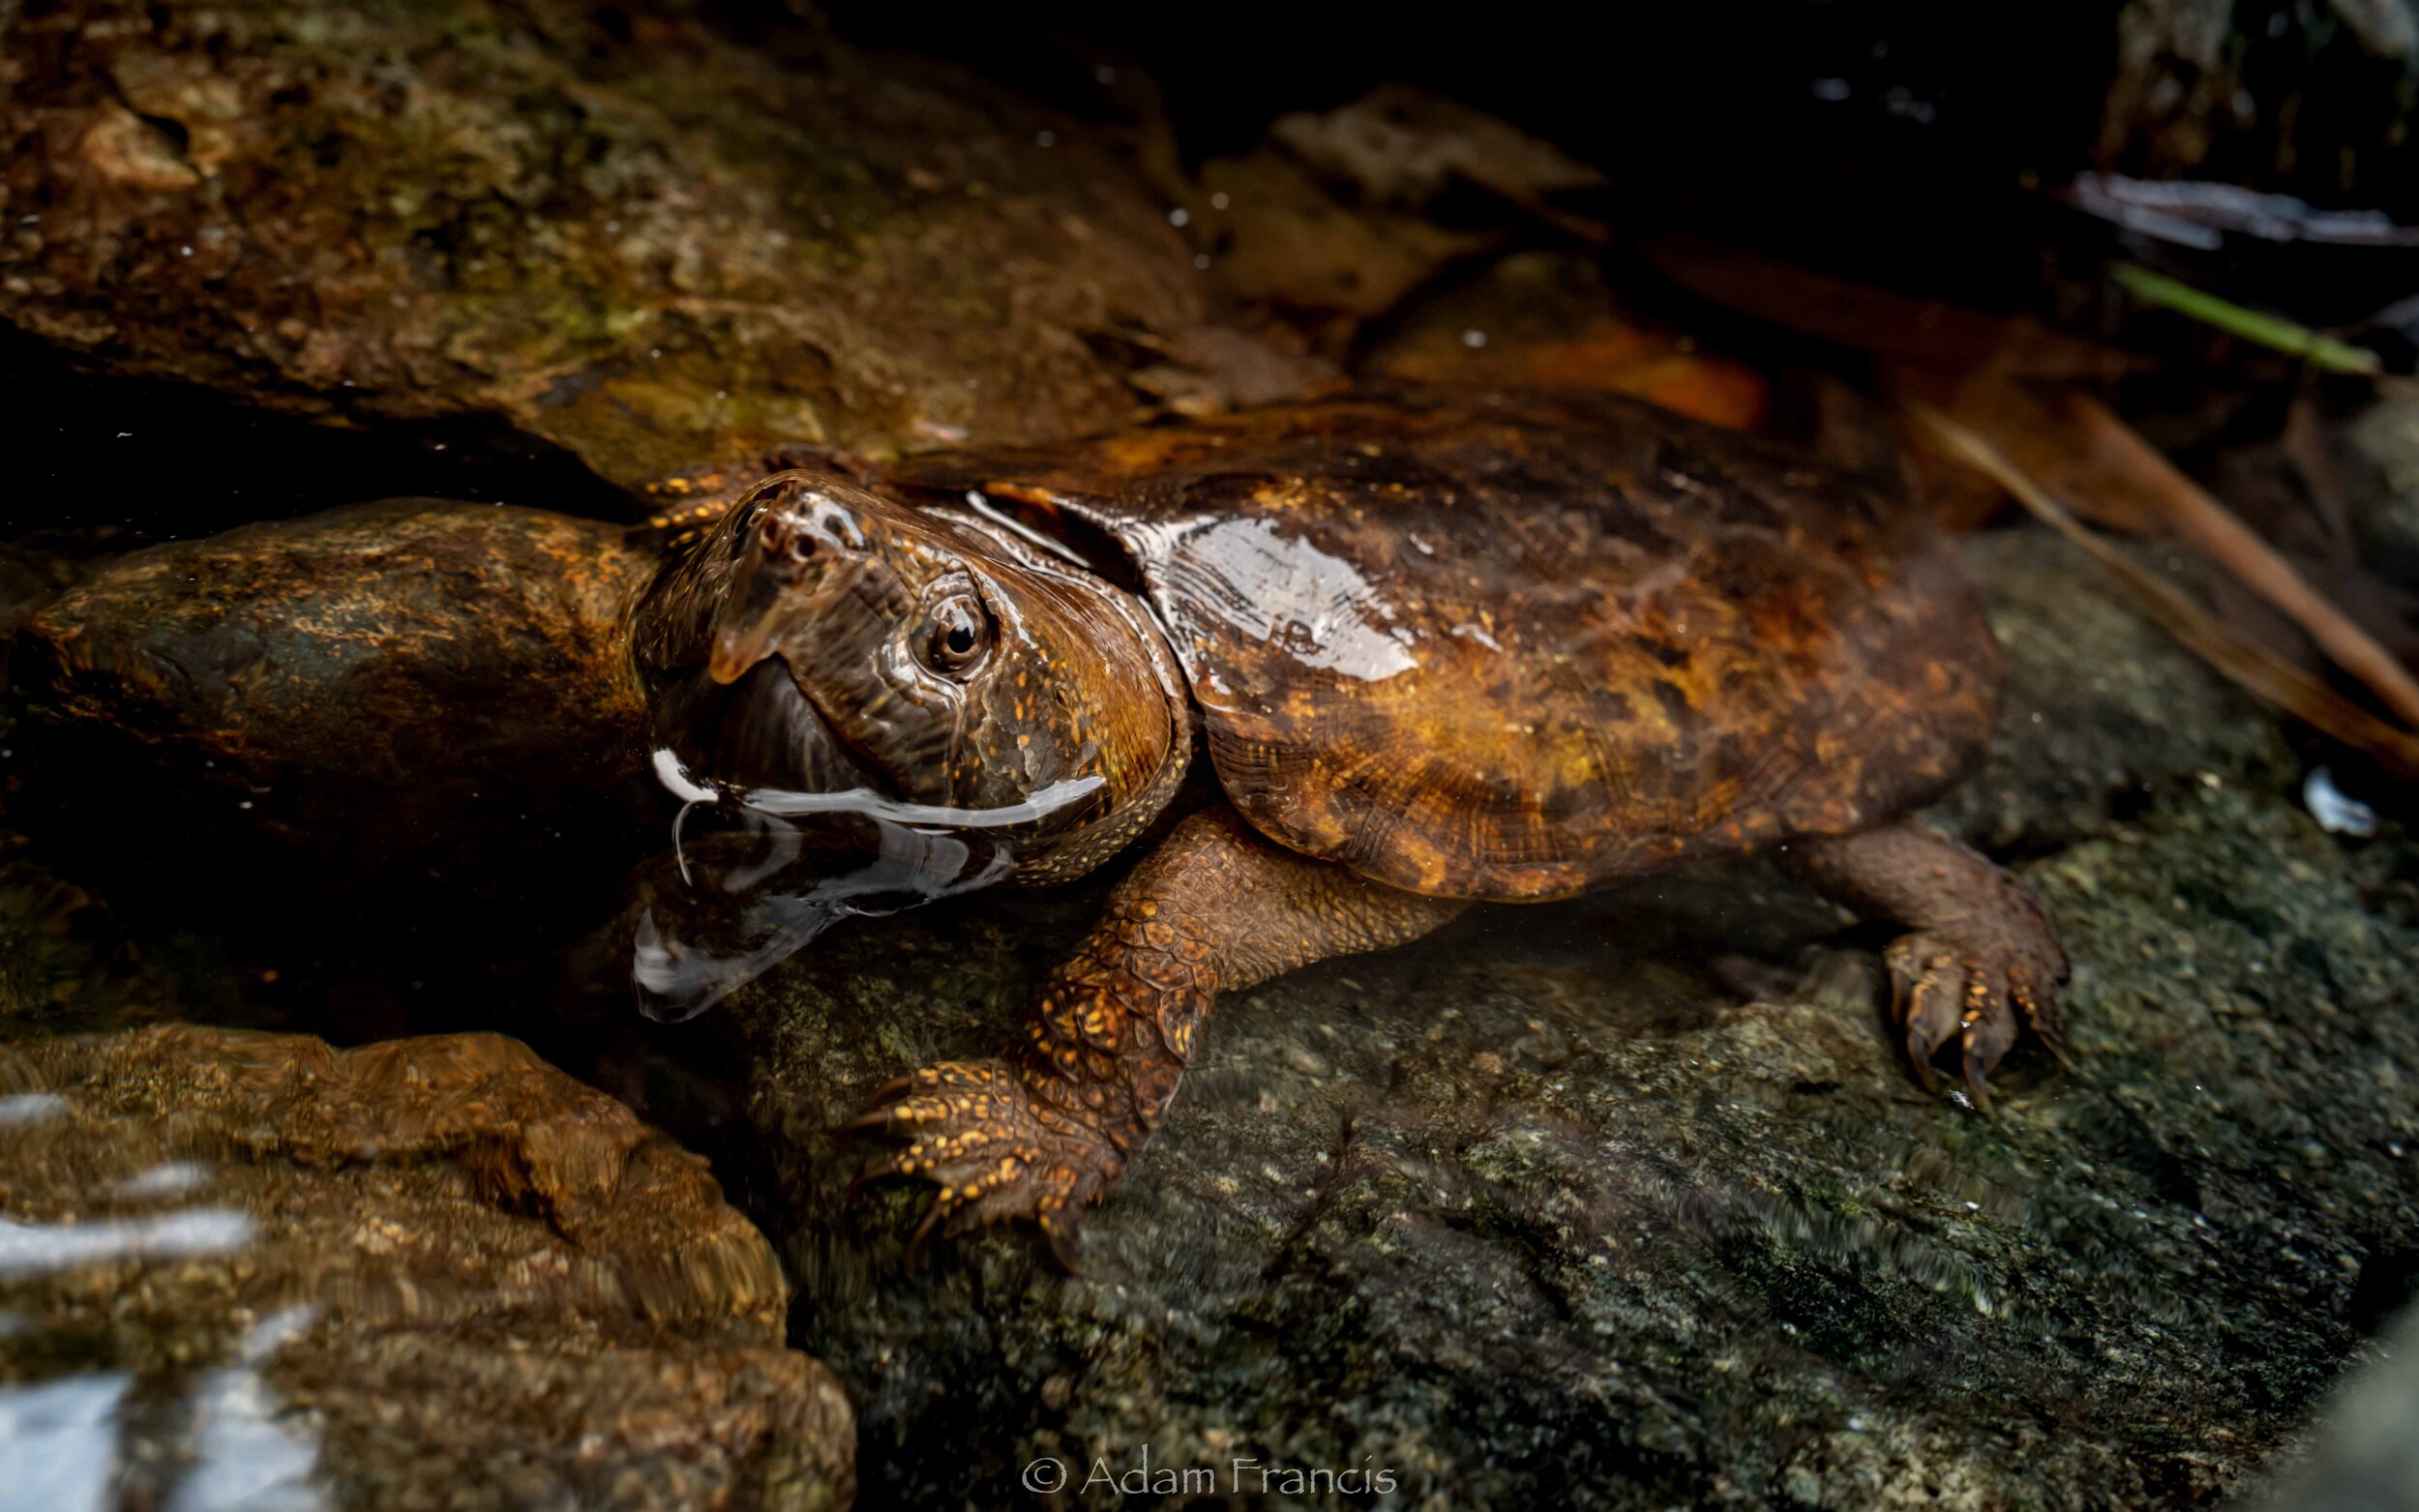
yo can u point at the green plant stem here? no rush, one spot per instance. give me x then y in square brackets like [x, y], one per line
[2252, 325]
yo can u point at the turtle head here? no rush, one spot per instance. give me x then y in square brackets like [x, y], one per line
[824, 638]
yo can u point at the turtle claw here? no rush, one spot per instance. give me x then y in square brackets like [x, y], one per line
[974, 1130]
[1971, 992]
[1926, 997]
[2042, 1012]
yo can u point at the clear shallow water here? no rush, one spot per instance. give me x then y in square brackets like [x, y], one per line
[763, 873]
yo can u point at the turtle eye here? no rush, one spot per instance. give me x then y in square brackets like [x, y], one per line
[957, 634]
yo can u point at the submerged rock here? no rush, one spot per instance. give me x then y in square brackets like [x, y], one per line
[615, 230]
[1546, 1208]
[245, 1269]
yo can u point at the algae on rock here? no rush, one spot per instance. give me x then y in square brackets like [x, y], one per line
[616, 230]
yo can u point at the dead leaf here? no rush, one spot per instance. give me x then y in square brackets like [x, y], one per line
[1605, 354]
[2247, 664]
[1206, 369]
[1277, 237]
[1924, 332]
[2032, 426]
[1549, 320]
[1330, 216]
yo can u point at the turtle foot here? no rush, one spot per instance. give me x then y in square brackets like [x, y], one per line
[1968, 987]
[996, 1152]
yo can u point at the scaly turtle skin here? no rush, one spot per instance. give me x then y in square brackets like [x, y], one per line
[1443, 647]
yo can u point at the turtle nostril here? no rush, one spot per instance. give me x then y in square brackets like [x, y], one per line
[784, 537]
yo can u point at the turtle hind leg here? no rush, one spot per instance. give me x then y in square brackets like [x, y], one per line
[1979, 953]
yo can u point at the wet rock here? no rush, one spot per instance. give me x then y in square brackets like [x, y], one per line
[387, 725]
[615, 229]
[389, 646]
[2364, 1455]
[1542, 1209]
[386, 685]
[2102, 712]
[248, 1269]
[29, 577]
[2384, 446]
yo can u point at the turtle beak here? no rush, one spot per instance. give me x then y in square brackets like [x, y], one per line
[748, 627]
[790, 546]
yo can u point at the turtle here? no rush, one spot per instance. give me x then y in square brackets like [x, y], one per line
[1438, 649]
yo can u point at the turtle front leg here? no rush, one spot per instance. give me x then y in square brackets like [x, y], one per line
[1039, 1132]
[1979, 948]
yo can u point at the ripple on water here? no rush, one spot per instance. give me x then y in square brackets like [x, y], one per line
[58, 1441]
[37, 1249]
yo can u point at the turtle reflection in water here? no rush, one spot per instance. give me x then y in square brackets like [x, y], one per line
[1440, 648]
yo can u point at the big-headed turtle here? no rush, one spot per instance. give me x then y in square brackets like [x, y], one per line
[1442, 648]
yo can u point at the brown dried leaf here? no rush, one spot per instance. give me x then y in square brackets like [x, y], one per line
[1605, 353]
[1550, 319]
[1862, 317]
[1280, 239]
[2033, 430]
[2247, 664]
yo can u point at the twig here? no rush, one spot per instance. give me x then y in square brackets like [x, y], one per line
[2241, 550]
[2247, 664]
[2252, 325]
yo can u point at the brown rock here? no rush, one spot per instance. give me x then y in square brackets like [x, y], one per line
[619, 231]
[388, 650]
[429, 1272]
